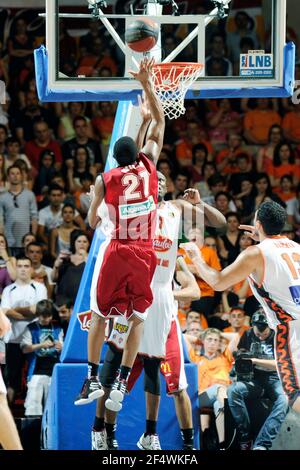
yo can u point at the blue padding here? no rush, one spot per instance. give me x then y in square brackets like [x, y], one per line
[45, 94]
[68, 427]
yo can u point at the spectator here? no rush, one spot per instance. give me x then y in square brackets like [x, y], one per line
[82, 139]
[223, 122]
[181, 183]
[103, 124]
[165, 167]
[66, 129]
[68, 269]
[258, 122]
[40, 272]
[228, 244]
[13, 153]
[245, 28]
[264, 159]
[60, 237]
[42, 141]
[27, 238]
[263, 381]
[208, 170]
[262, 192]
[19, 46]
[283, 164]
[50, 217]
[237, 319]
[286, 190]
[226, 158]
[43, 342]
[224, 203]
[200, 156]
[7, 265]
[218, 51]
[82, 198]
[18, 210]
[291, 125]
[46, 171]
[243, 166]
[78, 167]
[193, 316]
[64, 307]
[184, 146]
[19, 303]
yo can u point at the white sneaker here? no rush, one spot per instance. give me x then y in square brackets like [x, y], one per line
[150, 442]
[259, 448]
[113, 405]
[99, 440]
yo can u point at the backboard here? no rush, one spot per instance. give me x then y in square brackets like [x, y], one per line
[244, 52]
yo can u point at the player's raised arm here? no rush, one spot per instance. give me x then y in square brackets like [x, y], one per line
[155, 134]
[212, 217]
[97, 196]
[146, 119]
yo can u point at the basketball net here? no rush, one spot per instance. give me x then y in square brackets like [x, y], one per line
[171, 81]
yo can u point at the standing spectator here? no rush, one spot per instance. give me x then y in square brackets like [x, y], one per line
[258, 122]
[18, 210]
[43, 341]
[42, 141]
[40, 272]
[82, 139]
[19, 303]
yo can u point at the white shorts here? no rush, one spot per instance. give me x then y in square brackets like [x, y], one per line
[158, 322]
[2, 384]
[38, 388]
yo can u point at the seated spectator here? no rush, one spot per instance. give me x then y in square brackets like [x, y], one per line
[217, 49]
[78, 167]
[229, 243]
[223, 122]
[283, 164]
[82, 139]
[68, 269]
[13, 153]
[60, 237]
[7, 265]
[200, 156]
[264, 159]
[207, 302]
[50, 217]
[208, 169]
[237, 319]
[66, 129]
[184, 146]
[226, 158]
[224, 203]
[28, 238]
[42, 141]
[211, 242]
[193, 316]
[243, 166]
[181, 183]
[165, 167]
[291, 125]
[213, 376]
[43, 342]
[262, 192]
[19, 303]
[258, 122]
[286, 190]
[46, 171]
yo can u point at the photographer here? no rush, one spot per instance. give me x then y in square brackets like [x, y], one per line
[255, 368]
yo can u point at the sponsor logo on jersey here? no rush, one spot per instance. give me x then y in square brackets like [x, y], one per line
[122, 329]
[295, 293]
[84, 319]
[165, 368]
[162, 244]
[128, 211]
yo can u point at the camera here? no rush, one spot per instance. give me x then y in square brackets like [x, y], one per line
[243, 368]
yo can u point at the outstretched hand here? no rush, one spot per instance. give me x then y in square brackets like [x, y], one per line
[191, 250]
[192, 196]
[144, 107]
[250, 231]
[143, 74]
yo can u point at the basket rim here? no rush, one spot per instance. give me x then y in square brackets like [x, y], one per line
[168, 65]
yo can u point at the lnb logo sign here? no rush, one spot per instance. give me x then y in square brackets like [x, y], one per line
[256, 64]
[2, 92]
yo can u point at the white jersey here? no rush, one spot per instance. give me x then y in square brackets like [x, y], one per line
[279, 292]
[164, 308]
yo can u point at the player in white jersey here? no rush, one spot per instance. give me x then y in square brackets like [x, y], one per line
[273, 267]
[160, 330]
[9, 438]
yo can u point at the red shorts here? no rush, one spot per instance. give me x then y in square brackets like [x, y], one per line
[124, 282]
[172, 368]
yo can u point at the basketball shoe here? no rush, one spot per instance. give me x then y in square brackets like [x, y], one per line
[116, 396]
[91, 390]
[149, 442]
[99, 440]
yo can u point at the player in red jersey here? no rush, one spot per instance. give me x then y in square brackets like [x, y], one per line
[124, 269]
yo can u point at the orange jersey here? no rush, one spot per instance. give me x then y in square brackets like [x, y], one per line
[212, 371]
[229, 329]
[258, 122]
[211, 258]
[291, 124]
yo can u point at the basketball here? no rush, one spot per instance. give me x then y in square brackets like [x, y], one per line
[142, 35]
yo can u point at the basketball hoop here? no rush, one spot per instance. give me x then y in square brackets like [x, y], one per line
[171, 81]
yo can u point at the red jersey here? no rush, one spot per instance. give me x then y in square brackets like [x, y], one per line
[131, 194]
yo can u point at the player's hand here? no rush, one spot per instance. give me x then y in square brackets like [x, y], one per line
[250, 231]
[144, 107]
[5, 325]
[192, 196]
[143, 75]
[192, 251]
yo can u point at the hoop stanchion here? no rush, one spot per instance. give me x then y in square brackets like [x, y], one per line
[171, 81]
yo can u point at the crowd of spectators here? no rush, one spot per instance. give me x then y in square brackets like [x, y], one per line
[237, 153]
